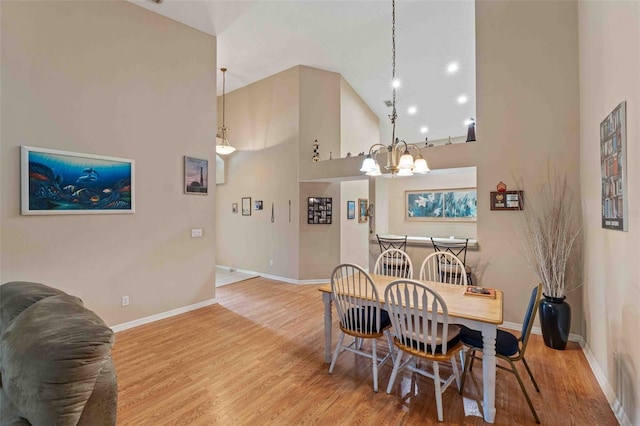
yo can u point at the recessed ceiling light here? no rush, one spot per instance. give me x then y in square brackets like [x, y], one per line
[453, 67]
[462, 99]
[395, 83]
[412, 110]
[424, 129]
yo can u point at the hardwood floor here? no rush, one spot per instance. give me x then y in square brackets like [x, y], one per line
[256, 357]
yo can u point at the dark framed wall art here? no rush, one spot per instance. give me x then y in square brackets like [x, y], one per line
[320, 211]
[613, 164]
[351, 209]
[196, 176]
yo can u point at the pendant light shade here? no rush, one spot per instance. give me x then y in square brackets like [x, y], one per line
[222, 142]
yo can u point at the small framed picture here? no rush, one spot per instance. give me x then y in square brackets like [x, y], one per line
[196, 176]
[363, 210]
[257, 205]
[234, 208]
[351, 209]
[507, 200]
[246, 206]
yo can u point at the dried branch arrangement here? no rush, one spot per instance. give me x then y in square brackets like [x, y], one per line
[551, 226]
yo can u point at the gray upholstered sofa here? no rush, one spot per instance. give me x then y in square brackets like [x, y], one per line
[55, 359]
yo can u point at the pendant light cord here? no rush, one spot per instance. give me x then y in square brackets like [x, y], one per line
[394, 114]
[224, 70]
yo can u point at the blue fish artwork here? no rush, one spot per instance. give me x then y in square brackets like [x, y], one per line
[60, 182]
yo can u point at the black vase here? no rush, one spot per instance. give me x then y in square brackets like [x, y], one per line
[555, 321]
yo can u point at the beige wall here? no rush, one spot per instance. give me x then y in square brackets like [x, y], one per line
[113, 79]
[609, 74]
[527, 114]
[263, 120]
[359, 126]
[273, 124]
[353, 235]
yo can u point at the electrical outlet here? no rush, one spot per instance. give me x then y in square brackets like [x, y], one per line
[125, 300]
[196, 233]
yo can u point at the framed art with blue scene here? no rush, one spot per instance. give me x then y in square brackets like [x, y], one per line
[442, 205]
[196, 176]
[62, 182]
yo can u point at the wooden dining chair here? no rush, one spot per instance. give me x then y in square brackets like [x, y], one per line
[508, 347]
[394, 263]
[458, 249]
[443, 267]
[361, 315]
[421, 332]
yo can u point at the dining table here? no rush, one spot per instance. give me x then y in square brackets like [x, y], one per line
[474, 311]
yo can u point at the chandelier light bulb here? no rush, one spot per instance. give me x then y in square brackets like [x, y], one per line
[412, 110]
[424, 129]
[453, 67]
[462, 99]
[395, 83]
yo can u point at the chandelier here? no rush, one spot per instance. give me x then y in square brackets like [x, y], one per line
[222, 143]
[399, 161]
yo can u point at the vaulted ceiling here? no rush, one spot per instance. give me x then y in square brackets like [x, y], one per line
[257, 39]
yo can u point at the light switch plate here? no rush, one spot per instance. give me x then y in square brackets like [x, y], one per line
[196, 233]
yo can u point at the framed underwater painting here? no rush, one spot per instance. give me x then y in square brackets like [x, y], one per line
[63, 182]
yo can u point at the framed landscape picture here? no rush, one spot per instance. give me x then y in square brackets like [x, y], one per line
[196, 176]
[351, 209]
[63, 182]
[444, 204]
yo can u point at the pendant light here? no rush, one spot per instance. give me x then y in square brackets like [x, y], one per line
[399, 161]
[222, 143]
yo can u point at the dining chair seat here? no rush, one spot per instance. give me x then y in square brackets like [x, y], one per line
[506, 343]
[364, 320]
[426, 344]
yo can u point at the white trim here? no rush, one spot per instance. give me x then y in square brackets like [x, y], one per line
[614, 402]
[162, 315]
[276, 277]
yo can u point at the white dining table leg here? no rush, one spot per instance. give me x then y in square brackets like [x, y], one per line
[489, 371]
[326, 298]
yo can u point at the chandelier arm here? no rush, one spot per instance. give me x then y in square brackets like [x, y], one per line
[373, 151]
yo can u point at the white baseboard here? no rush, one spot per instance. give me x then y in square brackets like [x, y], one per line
[614, 402]
[276, 277]
[162, 315]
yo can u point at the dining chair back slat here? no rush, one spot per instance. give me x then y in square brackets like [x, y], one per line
[394, 263]
[443, 267]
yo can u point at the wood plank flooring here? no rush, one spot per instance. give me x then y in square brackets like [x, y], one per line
[256, 358]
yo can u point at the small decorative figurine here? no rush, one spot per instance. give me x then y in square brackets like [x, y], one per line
[330, 155]
[449, 141]
[316, 152]
[361, 153]
[348, 154]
